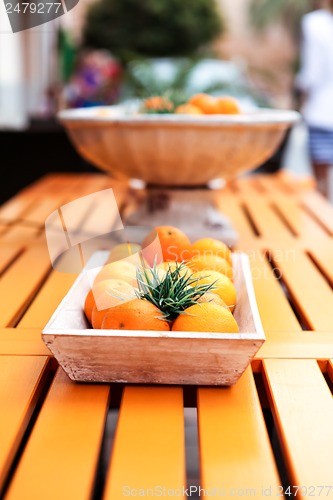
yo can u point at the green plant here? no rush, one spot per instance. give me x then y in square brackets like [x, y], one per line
[151, 28]
[173, 293]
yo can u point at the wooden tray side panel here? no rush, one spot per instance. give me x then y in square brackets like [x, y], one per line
[153, 360]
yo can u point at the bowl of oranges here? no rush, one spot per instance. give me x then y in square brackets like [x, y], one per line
[165, 144]
[165, 311]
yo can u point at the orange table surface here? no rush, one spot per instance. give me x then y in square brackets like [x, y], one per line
[271, 431]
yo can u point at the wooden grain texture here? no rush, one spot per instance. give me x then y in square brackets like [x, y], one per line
[149, 448]
[302, 405]
[20, 377]
[235, 452]
[19, 341]
[311, 293]
[21, 282]
[61, 455]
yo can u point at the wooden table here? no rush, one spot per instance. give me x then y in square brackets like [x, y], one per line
[273, 428]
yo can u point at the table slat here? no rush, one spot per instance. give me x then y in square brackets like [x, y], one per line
[235, 451]
[274, 308]
[19, 341]
[311, 345]
[20, 283]
[149, 443]
[8, 252]
[302, 405]
[61, 456]
[311, 293]
[19, 388]
[47, 300]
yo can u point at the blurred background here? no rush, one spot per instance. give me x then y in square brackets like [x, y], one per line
[109, 51]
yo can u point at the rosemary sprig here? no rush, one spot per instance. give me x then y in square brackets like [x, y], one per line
[172, 293]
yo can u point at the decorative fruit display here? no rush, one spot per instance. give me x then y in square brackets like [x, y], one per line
[174, 285]
[198, 104]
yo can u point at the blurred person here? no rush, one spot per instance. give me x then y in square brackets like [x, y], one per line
[315, 81]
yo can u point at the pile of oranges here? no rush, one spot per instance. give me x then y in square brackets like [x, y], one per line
[198, 104]
[201, 276]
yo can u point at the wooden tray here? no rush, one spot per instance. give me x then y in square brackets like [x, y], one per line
[154, 357]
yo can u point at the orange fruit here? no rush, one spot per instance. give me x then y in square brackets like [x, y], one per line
[205, 102]
[175, 245]
[210, 262]
[206, 317]
[227, 106]
[105, 294]
[211, 246]
[123, 251]
[137, 314]
[121, 269]
[158, 103]
[212, 297]
[223, 286]
[185, 271]
[188, 109]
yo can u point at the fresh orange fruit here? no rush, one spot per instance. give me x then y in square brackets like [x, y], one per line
[105, 294]
[223, 286]
[202, 262]
[205, 102]
[158, 103]
[211, 246]
[212, 297]
[227, 106]
[121, 269]
[184, 271]
[175, 245]
[188, 109]
[206, 317]
[137, 314]
[123, 251]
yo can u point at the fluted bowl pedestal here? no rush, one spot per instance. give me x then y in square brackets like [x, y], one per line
[193, 210]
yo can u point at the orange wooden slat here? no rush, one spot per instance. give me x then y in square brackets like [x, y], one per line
[323, 257]
[302, 405]
[47, 300]
[320, 207]
[235, 452]
[61, 455]
[28, 342]
[311, 345]
[20, 283]
[149, 443]
[20, 377]
[230, 206]
[14, 208]
[19, 232]
[267, 221]
[301, 222]
[311, 294]
[275, 311]
[8, 252]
